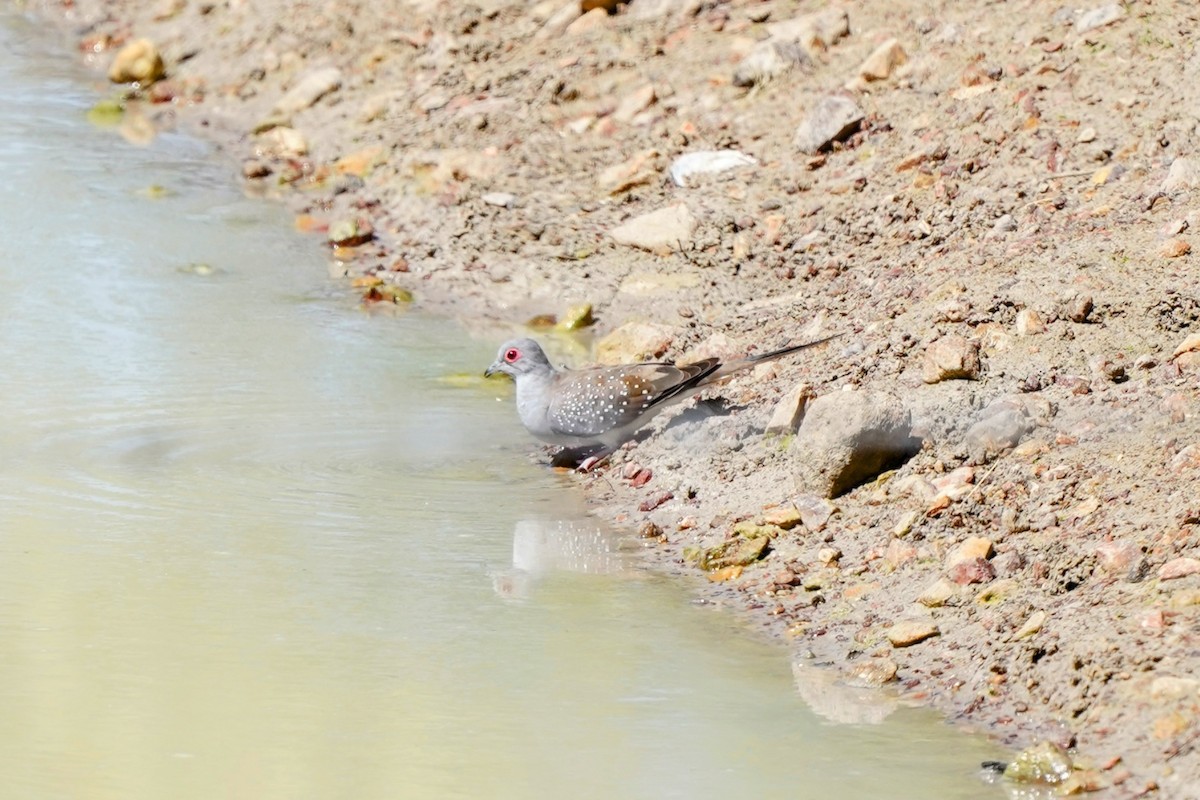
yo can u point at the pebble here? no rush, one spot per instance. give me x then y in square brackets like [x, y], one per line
[1174, 248]
[976, 570]
[975, 547]
[872, 673]
[636, 171]
[634, 341]
[707, 162]
[1032, 625]
[1178, 568]
[832, 119]
[592, 20]
[1086, 135]
[951, 358]
[767, 61]
[784, 517]
[850, 437]
[1099, 17]
[307, 91]
[910, 632]
[634, 103]
[281, 142]
[1183, 174]
[655, 501]
[899, 553]
[1170, 687]
[660, 231]
[1118, 557]
[137, 62]
[500, 199]
[937, 593]
[789, 411]
[883, 61]
[814, 511]
[1029, 323]
[1078, 307]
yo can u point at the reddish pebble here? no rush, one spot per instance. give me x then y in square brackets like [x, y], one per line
[655, 502]
[975, 570]
[642, 478]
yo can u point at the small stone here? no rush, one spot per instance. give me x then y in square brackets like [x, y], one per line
[828, 555]
[1078, 308]
[1117, 557]
[1045, 762]
[500, 199]
[1006, 223]
[1169, 687]
[137, 62]
[977, 570]
[1178, 568]
[281, 142]
[1099, 17]
[905, 525]
[307, 91]
[592, 20]
[973, 548]
[661, 231]
[636, 171]
[576, 317]
[937, 593]
[738, 552]
[1029, 323]
[883, 61]
[951, 358]
[1183, 174]
[1107, 174]
[910, 632]
[707, 162]
[872, 673]
[1174, 248]
[767, 61]
[899, 553]
[997, 592]
[1086, 135]
[1189, 345]
[351, 232]
[632, 342]
[832, 119]
[789, 411]
[785, 577]
[1032, 625]
[785, 517]
[814, 511]
[634, 103]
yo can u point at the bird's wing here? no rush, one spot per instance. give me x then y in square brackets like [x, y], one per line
[593, 402]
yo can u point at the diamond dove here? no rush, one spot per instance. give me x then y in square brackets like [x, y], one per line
[599, 408]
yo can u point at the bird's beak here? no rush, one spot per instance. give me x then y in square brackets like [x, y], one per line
[492, 370]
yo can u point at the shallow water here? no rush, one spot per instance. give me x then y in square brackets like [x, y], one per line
[252, 545]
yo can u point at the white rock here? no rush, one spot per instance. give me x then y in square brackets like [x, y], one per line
[308, 90]
[501, 199]
[1184, 174]
[707, 161]
[1099, 17]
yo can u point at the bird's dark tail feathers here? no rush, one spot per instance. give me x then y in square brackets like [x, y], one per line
[725, 370]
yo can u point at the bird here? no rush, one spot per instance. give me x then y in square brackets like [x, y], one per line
[599, 408]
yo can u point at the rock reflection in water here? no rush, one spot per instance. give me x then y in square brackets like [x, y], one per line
[541, 546]
[831, 698]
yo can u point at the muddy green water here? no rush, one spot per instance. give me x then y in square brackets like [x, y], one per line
[251, 545]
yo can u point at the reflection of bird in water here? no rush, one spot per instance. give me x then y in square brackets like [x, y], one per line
[601, 407]
[543, 546]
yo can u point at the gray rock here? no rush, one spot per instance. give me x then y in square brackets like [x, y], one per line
[848, 438]
[1000, 428]
[767, 61]
[832, 119]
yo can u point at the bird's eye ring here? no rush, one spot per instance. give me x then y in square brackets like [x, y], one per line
[512, 354]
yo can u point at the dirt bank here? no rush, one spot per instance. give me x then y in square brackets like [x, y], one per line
[997, 211]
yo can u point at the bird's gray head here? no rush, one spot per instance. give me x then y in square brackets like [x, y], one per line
[519, 357]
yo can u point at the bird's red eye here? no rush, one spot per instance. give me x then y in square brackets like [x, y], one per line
[511, 354]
